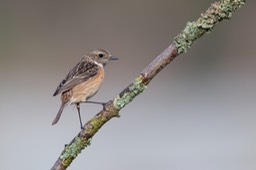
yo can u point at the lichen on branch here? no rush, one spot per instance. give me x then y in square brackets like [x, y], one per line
[213, 15]
[193, 30]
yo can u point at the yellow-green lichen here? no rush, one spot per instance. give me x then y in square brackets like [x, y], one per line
[187, 37]
[136, 88]
[194, 30]
[95, 123]
[71, 151]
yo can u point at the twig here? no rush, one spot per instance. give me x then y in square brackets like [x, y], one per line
[193, 30]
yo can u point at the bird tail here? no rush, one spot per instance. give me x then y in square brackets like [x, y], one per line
[56, 119]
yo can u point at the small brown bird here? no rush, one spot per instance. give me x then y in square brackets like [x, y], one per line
[83, 81]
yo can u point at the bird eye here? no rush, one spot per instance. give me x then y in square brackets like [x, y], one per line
[101, 55]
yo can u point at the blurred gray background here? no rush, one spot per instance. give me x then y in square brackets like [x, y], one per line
[198, 113]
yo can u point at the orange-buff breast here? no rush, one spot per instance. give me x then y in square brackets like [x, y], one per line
[83, 91]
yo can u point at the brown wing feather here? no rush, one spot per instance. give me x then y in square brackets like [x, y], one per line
[82, 71]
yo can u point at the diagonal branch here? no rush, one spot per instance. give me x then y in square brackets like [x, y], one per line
[193, 30]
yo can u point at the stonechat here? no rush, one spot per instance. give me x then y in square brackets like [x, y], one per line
[83, 81]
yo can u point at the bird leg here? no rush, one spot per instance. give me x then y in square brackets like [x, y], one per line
[94, 102]
[78, 109]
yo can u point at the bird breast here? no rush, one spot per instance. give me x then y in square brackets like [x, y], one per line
[83, 91]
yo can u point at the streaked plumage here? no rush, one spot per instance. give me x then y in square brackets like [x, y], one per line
[83, 81]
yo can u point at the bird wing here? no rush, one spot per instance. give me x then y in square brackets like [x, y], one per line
[82, 71]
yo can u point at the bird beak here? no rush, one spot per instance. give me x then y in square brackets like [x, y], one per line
[113, 58]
